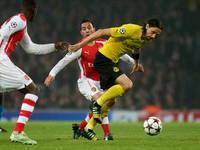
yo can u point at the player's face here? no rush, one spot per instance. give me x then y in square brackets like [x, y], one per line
[87, 29]
[152, 32]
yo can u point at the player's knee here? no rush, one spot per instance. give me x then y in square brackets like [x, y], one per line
[35, 91]
[128, 86]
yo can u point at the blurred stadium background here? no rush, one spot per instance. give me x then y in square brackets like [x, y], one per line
[170, 86]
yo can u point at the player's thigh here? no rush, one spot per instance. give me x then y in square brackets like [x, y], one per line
[90, 88]
[31, 88]
[12, 77]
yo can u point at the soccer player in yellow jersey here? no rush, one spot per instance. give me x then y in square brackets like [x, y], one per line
[124, 39]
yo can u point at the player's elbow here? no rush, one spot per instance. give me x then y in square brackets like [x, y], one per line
[100, 32]
[103, 32]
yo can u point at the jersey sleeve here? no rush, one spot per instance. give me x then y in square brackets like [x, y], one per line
[37, 49]
[12, 25]
[125, 31]
[64, 62]
[128, 59]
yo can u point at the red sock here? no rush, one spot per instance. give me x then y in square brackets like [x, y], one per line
[85, 121]
[26, 111]
[105, 125]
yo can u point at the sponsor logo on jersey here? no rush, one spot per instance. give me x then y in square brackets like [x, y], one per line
[122, 30]
[26, 77]
[13, 24]
[115, 69]
[93, 89]
[87, 52]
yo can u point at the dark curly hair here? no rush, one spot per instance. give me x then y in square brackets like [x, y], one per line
[29, 3]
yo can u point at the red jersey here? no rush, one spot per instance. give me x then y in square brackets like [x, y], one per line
[86, 60]
[85, 57]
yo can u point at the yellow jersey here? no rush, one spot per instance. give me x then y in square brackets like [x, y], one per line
[123, 40]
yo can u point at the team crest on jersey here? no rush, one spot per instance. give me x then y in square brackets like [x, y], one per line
[115, 69]
[93, 89]
[122, 30]
[26, 77]
[13, 24]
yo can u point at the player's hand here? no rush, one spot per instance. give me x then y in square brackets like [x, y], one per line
[62, 45]
[74, 48]
[138, 68]
[48, 80]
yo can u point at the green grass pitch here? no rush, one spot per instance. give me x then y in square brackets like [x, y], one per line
[52, 135]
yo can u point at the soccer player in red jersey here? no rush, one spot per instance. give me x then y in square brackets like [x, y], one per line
[89, 80]
[12, 32]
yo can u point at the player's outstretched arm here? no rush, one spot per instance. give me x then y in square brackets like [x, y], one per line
[99, 33]
[48, 80]
[40, 49]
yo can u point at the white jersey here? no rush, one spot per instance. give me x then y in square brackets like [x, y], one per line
[12, 32]
[89, 79]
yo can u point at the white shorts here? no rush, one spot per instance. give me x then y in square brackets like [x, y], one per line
[11, 77]
[89, 87]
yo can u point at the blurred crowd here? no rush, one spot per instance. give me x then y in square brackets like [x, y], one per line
[171, 62]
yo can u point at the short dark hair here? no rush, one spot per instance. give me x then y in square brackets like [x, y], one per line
[29, 3]
[86, 20]
[155, 23]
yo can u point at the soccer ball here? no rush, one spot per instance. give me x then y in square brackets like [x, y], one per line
[152, 126]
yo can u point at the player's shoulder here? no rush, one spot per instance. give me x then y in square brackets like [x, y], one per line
[18, 17]
[132, 28]
[17, 20]
[80, 41]
[100, 40]
[22, 17]
[131, 25]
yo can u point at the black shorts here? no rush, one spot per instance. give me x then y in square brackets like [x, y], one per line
[107, 70]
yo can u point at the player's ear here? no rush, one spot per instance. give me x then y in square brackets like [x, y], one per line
[147, 26]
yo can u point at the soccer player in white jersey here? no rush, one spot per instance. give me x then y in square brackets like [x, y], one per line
[89, 80]
[12, 32]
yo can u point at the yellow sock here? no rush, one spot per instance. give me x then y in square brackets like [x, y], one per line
[91, 124]
[111, 93]
[104, 110]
